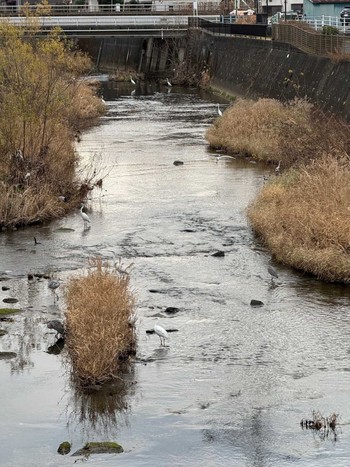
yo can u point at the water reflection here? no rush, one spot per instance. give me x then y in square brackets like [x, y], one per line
[100, 409]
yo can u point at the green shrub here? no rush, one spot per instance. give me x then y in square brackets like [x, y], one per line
[330, 30]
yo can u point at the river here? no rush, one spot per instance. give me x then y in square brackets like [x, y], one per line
[234, 381]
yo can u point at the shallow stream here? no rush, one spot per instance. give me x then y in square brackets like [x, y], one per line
[234, 381]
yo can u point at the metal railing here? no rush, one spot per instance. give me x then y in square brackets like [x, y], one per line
[309, 41]
[318, 22]
[101, 21]
[178, 7]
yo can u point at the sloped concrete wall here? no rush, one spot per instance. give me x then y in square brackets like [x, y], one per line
[262, 68]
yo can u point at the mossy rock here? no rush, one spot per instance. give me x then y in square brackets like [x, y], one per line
[103, 447]
[64, 448]
[8, 311]
[3, 332]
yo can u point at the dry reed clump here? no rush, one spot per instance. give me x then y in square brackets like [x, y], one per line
[100, 323]
[270, 130]
[303, 217]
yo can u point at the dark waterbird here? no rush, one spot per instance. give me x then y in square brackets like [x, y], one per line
[53, 285]
[57, 326]
[272, 271]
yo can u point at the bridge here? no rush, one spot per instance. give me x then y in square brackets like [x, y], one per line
[155, 18]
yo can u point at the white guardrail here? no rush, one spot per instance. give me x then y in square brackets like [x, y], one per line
[105, 21]
[319, 21]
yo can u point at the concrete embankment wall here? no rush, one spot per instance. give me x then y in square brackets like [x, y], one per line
[243, 66]
[151, 56]
[262, 68]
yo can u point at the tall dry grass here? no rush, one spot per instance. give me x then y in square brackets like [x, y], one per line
[270, 130]
[303, 217]
[100, 323]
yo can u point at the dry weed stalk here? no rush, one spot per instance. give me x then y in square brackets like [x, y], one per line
[325, 426]
[100, 323]
[303, 217]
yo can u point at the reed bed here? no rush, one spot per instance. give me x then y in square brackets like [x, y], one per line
[269, 130]
[303, 217]
[100, 323]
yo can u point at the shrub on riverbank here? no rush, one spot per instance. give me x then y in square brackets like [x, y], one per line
[303, 217]
[100, 323]
[270, 130]
[43, 105]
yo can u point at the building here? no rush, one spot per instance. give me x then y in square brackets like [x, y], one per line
[316, 8]
[274, 6]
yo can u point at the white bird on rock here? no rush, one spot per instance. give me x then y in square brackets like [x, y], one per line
[84, 216]
[161, 332]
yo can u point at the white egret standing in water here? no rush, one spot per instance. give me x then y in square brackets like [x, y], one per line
[168, 83]
[161, 332]
[219, 111]
[132, 81]
[84, 216]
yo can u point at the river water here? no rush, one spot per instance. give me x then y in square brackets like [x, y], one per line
[234, 381]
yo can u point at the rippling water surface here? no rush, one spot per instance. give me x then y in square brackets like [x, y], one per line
[234, 382]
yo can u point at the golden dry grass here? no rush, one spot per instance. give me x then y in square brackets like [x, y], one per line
[303, 217]
[100, 323]
[270, 130]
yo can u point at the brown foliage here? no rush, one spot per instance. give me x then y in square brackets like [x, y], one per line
[43, 104]
[304, 219]
[100, 323]
[269, 130]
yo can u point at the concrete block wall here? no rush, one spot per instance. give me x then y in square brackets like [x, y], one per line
[262, 68]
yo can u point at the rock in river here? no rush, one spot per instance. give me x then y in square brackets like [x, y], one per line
[10, 300]
[64, 448]
[7, 355]
[256, 303]
[104, 447]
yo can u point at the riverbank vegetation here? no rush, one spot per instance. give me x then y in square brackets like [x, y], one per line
[100, 323]
[44, 105]
[302, 215]
[269, 130]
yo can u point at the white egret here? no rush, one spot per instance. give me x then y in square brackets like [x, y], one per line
[161, 332]
[53, 285]
[224, 158]
[132, 81]
[84, 216]
[219, 111]
[19, 155]
[168, 83]
[277, 169]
